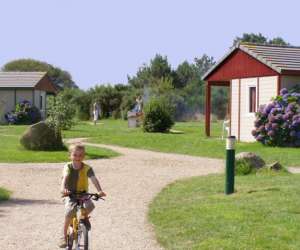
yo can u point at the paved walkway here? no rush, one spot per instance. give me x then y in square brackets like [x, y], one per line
[32, 219]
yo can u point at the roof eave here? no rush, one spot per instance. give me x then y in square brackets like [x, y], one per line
[53, 89]
[219, 62]
[247, 51]
[290, 72]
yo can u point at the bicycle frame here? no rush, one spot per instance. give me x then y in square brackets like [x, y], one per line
[75, 230]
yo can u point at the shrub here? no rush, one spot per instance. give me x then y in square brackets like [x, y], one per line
[82, 102]
[278, 123]
[157, 116]
[79, 100]
[116, 114]
[60, 113]
[83, 115]
[242, 167]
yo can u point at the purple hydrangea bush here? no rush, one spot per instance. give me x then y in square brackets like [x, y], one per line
[24, 113]
[278, 123]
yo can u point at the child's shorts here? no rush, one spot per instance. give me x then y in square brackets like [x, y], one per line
[70, 206]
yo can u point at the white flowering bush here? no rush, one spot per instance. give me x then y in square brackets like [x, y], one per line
[60, 113]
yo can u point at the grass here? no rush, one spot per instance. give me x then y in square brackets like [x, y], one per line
[191, 141]
[263, 214]
[12, 151]
[187, 138]
[4, 194]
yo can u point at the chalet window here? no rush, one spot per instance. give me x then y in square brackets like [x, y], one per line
[41, 102]
[252, 99]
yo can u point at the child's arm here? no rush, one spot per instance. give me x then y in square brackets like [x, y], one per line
[63, 188]
[96, 183]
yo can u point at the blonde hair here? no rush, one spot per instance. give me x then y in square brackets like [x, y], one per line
[75, 147]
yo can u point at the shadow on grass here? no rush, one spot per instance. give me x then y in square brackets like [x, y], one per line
[294, 211]
[263, 190]
[77, 130]
[64, 148]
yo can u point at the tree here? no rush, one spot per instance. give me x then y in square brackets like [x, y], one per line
[278, 41]
[219, 94]
[251, 38]
[142, 78]
[203, 64]
[148, 75]
[182, 88]
[160, 67]
[259, 38]
[79, 100]
[220, 98]
[194, 97]
[109, 99]
[61, 78]
[184, 74]
[121, 87]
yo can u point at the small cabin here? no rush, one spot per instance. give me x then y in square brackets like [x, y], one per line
[19, 86]
[254, 73]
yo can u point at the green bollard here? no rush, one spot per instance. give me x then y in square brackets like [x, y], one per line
[230, 157]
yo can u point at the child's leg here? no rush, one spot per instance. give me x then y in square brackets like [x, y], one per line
[89, 206]
[70, 212]
[66, 225]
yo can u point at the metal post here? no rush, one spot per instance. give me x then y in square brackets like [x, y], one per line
[230, 157]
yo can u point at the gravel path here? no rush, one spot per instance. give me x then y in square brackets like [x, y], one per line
[32, 219]
[294, 170]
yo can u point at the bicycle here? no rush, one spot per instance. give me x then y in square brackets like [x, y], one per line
[78, 231]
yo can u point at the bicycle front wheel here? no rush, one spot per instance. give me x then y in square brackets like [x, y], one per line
[70, 240]
[85, 237]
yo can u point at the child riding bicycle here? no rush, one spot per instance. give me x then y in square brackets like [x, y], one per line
[75, 179]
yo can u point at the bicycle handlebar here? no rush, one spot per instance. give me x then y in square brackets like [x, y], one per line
[93, 196]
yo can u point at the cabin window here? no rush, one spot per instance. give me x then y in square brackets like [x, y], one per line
[252, 99]
[41, 102]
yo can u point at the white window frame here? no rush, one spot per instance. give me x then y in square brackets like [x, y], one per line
[248, 86]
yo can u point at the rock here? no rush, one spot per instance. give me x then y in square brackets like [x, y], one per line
[254, 160]
[276, 166]
[40, 136]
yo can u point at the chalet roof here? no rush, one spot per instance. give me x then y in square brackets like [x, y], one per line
[281, 59]
[20, 79]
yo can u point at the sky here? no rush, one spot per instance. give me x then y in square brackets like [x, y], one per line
[102, 42]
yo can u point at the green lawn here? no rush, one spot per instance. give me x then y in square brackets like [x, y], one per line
[192, 141]
[4, 194]
[264, 213]
[12, 151]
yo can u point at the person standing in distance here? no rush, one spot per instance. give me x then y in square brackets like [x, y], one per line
[95, 112]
